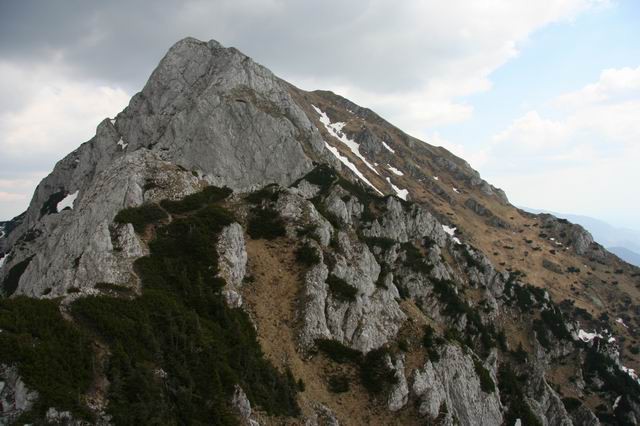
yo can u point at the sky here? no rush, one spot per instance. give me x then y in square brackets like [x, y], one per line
[542, 98]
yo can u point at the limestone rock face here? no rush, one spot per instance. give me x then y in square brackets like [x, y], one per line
[80, 247]
[188, 125]
[402, 224]
[399, 395]
[15, 397]
[547, 404]
[368, 321]
[232, 261]
[454, 382]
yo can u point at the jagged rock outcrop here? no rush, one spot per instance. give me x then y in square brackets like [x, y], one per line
[452, 381]
[369, 320]
[191, 114]
[232, 262]
[15, 397]
[388, 276]
[399, 394]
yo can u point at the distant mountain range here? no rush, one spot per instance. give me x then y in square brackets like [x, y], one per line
[623, 242]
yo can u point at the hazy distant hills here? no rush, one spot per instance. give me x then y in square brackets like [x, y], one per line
[623, 242]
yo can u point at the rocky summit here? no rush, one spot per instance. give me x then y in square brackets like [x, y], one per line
[232, 250]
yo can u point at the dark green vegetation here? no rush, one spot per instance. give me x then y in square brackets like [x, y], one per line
[11, 281]
[455, 306]
[338, 383]
[375, 373]
[307, 255]
[376, 376]
[53, 355]
[210, 194]
[176, 352]
[341, 290]
[486, 382]
[338, 352]
[551, 320]
[139, 217]
[431, 343]
[264, 221]
[415, 260]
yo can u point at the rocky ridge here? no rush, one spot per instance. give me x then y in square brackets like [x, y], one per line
[402, 300]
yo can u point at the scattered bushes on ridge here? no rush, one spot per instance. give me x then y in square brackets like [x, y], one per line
[141, 216]
[265, 223]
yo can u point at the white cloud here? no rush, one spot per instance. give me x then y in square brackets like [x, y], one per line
[411, 61]
[49, 116]
[589, 152]
[613, 85]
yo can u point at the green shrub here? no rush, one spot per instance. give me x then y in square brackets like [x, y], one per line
[268, 193]
[141, 216]
[322, 176]
[376, 374]
[338, 384]
[182, 325]
[415, 260]
[210, 194]
[307, 255]
[383, 243]
[486, 382]
[341, 290]
[54, 356]
[571, 404]
[430, 344]
[265, 223]
[338, 352]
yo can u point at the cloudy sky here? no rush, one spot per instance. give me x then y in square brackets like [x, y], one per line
[542, 97]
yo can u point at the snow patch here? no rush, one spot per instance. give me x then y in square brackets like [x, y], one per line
[335, 130]
[451, 231]
[631, 372]
[3, 258]
[67, 202]
[621, 322]
[122, 144]
[350, 165]
[616, 402]
[456, 190]
[394, 170]
[401, 193]
[436, 178]
[388, 147]
[587, 337]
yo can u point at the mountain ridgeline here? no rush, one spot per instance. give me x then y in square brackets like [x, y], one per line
[232, 250]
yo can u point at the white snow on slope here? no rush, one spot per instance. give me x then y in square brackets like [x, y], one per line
[335, 130]
[621, 322]
[587, 337]
[401, 193]
[67, 201]
[436, 178]
[631, 372]
[394, 170]
[122, 144]
[388, 147]
[456, 190]
[350, 165]
[451, 231]
[3, 259]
